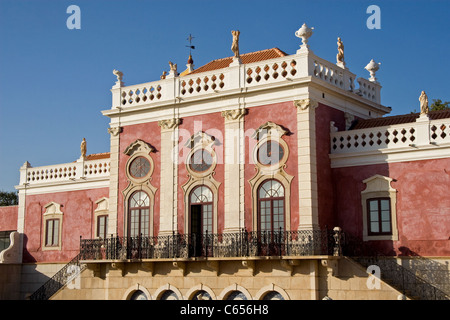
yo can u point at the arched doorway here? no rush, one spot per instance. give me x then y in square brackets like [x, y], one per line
[139, 215]
[271, 217]
[201, 219]
[271, 206]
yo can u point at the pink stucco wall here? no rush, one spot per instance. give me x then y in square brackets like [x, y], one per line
[212, 124]
[325, 184]
[285, 115]
[78, 213]
[151, 134]
[423, 205]
[8, 218]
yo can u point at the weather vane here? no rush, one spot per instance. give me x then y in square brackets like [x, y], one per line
[190, 46]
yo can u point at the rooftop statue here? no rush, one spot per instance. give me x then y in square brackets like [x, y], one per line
[83, 148]
[423, 103]
[173, 67]
[340, 54]
[118, 74]
[235, 44]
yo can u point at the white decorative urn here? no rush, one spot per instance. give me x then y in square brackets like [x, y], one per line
[304, 33]
[373, 67]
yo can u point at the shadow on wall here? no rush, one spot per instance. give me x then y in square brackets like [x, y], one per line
[27, 257]
[433, 271]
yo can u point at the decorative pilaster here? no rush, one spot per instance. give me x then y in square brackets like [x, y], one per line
[169, 176]
[307, 165]
[113, 178]
[234, 169]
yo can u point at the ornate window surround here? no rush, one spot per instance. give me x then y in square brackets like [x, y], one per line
[198, 141]
[139, 148]
[379, 186]
[102, 210]
[266, 132]
[52, 212]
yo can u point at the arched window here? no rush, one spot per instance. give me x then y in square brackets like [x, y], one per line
[139, 214]
[139, 295]
[169, 295]
[201, 295]
[201, 207]
[236, 295]
[273, 295]
[271, 206]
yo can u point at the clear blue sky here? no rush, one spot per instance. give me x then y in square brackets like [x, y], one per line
[54, 82]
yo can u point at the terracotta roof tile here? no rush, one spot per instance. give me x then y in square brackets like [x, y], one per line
[393, 120]
[97, 156]
[245, 58]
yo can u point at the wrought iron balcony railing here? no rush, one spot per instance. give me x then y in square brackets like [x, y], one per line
[239, 244]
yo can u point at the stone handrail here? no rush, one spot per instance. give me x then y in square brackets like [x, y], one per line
[423, 132]
[66, 172]
[241, 76]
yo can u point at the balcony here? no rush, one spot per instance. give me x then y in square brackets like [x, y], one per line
[276, 72]
[82, 170]
[224, 245]
[426, 137]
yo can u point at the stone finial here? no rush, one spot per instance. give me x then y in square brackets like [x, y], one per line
[304, 33]
[340, 55]
[423, 104]
[372, 67]
[119, 76]
[26, 165]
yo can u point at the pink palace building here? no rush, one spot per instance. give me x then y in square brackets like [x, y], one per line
[263, 175]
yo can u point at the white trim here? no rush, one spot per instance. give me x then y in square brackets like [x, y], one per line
[248, 97]
[167, 287]
[200, 287]
[390, 155]
[234, 287]
[65, 186]
[130, 291]
[271, 287]
[379, 186]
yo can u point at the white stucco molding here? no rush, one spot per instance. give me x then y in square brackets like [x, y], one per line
[12, 254]
[379, 186]
[138, 146]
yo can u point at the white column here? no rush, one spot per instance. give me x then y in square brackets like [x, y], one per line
[169, 176]
[422, 130]
[234, 170]
[113, 179]
[307, 166]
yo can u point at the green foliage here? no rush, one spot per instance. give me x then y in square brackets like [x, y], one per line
[8, 199]
[439, 105]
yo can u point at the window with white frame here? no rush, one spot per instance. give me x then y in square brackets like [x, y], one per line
[52, 223]
[379, 202]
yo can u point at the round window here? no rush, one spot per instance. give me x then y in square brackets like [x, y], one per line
[140, 167]
[270, 152]
[201, 161]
